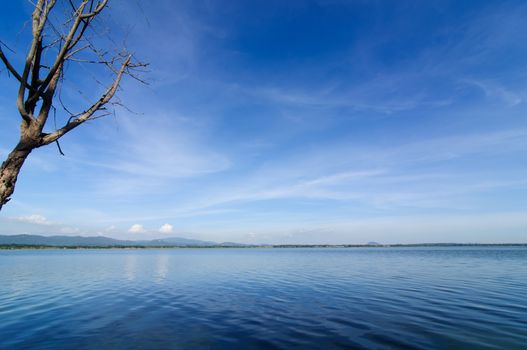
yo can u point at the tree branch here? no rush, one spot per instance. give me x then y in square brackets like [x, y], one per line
[66, 46]
[87, 115]
[39, 17]
[9, 67]
[47, 99]
[100, 6]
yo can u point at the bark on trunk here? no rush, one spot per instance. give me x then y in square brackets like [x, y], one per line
[9, 172]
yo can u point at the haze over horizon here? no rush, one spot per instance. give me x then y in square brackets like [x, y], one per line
[305, 122]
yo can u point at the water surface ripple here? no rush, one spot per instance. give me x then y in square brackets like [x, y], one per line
[366, 298]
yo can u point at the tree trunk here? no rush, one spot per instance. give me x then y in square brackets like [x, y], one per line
[9, 172]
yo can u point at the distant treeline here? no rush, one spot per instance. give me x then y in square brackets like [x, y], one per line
[41, 246]
[397, 245]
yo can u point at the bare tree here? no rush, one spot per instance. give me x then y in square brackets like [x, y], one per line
[52, 47]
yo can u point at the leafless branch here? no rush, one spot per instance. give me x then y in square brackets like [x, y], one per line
[87, 115]
[9, 66]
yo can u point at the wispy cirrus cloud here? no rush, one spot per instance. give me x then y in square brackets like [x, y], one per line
[336, 174]
[497, 91]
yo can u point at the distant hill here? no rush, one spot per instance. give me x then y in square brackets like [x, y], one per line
[176, 241]
[65, 241]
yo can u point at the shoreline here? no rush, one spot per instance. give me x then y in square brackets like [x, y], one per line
[271, 246]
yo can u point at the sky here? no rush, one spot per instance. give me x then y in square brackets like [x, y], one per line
[289, 122]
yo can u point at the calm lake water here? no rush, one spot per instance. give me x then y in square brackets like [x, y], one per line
[408, 298]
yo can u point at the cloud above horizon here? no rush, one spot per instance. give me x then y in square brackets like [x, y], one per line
[34, 219]
[166, 228]
[136, 228]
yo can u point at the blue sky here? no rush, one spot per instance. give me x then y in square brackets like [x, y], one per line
[291, 122]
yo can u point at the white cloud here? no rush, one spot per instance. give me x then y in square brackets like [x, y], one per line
[34, 219]
[166, 228]
[136, 228]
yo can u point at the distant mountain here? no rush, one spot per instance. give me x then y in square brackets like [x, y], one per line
[98, 241]
[177, 241]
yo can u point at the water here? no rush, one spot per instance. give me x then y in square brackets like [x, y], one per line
[425, 298]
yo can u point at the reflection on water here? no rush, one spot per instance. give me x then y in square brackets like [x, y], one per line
[130, 267]
[162, 267]
[455, 298]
